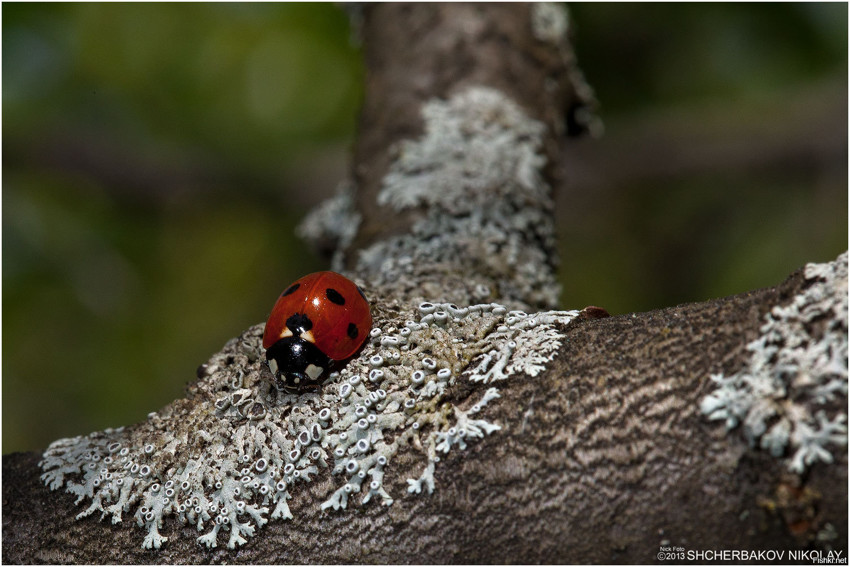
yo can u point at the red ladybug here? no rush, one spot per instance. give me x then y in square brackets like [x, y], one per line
[321, 319]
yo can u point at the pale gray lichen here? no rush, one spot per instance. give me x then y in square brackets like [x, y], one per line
[550, 22]
[484, 228]
[228, 458]
[477, 174]
[786, 397]
[333, 224]
[478, 146]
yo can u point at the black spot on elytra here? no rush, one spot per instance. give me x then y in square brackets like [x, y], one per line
[353, 331]
[298, 323]
[334, 296]
[290, 289]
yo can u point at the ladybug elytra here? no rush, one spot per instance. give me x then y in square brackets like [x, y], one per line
[318, 321]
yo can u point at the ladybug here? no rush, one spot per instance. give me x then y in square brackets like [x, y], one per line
[317, 322]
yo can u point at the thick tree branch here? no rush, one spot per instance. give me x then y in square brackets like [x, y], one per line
[505, 436]
[602, 458]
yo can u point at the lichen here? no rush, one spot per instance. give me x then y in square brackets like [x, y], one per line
[484, 227]
[786, 397]
[549, 22]
[333, 224]
[228, 458]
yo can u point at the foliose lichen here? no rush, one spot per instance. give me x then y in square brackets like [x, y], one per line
[789, 396]
[485, 227]
[228, 457]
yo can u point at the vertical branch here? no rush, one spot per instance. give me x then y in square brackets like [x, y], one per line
[465, 112]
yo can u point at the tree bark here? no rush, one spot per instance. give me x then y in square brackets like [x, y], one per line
[604, 456]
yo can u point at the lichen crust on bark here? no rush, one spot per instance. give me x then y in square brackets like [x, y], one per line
[791, 397]
[229, 456]
[483, 228]
[454, 284]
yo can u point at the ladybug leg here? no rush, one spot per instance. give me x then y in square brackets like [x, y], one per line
[303, 381]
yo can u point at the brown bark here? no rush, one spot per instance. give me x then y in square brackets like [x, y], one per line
[601, 459]
[417, 52]
[604, 457]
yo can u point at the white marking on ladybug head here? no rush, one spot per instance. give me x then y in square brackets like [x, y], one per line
[314, 371]
[273, 366]
[308, 336]
[285, 333]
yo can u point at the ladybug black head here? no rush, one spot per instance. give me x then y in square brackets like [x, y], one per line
[297, 365]
[299, 323]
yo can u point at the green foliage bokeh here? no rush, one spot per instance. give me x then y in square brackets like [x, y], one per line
[156, 160]
[157, 157]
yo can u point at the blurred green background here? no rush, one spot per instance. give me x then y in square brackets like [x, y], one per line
[156, 158]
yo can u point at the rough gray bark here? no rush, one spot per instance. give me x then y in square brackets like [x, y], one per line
[601, 459]
[604, 456]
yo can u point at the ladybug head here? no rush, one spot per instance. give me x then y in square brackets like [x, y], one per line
[297, 364]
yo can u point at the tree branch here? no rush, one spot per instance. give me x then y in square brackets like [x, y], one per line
[483, 433]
